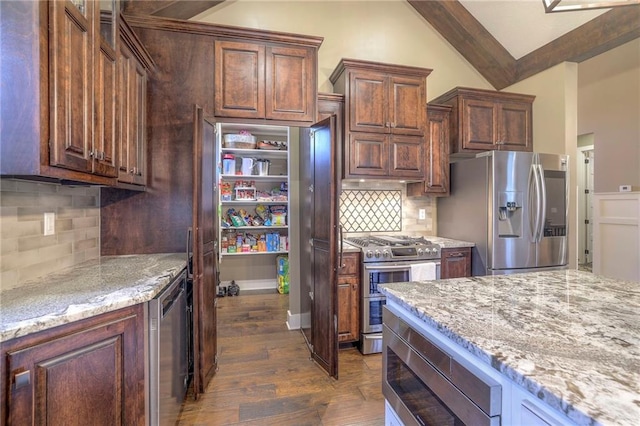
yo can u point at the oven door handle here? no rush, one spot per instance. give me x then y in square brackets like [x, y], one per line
[387, 268]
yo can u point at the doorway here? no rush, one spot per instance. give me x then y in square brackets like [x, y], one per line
[586, 160]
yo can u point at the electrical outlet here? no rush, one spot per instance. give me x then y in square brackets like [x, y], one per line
[422, 214]
[625, 188]
[49, 223]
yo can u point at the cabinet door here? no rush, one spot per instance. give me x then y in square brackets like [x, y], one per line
[350, 264]
[514, 129]
[106, 117]
[437, 151]
[125, 59]
[290, 84]
[348, 308]
[138, 141]
[479, 125]
[407, 156]
[205, 252]
[455, 263]
[71, 84]
[368, 107]
[92, 376]
[407, 105]
[368, 154]
[239, 79]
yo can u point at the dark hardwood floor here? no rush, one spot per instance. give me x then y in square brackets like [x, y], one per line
[266, 377]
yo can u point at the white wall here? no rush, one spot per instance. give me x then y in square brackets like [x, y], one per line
[609, 107]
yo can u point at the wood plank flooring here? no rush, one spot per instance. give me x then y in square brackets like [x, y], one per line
[266, 377]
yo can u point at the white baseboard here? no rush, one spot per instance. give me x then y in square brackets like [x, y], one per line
[297, 321]
[293, 321]
[253, 284]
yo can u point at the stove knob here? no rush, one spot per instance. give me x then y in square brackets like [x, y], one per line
[385, 253]
[377, 253]
[420, 252]
[369, 254]
[435, 250]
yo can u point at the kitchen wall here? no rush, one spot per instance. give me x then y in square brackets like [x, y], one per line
[383, 31]
[25, 252]
[609, 107]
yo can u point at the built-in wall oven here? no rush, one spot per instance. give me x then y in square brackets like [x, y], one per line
[425, 385]
[385, 260]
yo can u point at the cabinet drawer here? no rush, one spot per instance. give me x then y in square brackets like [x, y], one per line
[350, 264]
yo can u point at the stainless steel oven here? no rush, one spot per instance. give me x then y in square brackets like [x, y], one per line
[373, 301]
[388, 259]
[425, 385]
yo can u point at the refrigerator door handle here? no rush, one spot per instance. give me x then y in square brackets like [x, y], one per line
[543, 206]
[534, 193]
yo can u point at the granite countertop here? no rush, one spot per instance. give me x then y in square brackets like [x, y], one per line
[570, 338]
[86, 290]
[449, 243]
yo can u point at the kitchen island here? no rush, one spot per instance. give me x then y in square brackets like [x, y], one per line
[86, 290]
[568, 339]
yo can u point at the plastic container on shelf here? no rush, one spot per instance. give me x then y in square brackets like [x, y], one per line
[228, 164]
[282, 265]
[239, 140]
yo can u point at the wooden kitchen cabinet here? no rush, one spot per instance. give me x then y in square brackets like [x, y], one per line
[436, 182]
[385, 119]
[455, 262]
[484, 120]
[349, 298]
[86, 372]
[134, 64]
[64, 60]
[255, 80]
[83, 85]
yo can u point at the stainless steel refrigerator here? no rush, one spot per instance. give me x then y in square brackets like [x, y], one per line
[513, 206]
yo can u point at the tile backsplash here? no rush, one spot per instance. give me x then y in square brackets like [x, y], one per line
[410, 222]
[25, 252]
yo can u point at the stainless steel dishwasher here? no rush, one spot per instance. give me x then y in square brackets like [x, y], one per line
[168, 353]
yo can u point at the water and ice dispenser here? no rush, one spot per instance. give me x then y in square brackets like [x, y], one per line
[510, 214]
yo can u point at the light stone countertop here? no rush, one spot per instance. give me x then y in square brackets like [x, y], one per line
[86, 290]
[569, 338]
[449, 243]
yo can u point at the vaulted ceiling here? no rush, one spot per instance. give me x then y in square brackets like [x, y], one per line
[467, 34]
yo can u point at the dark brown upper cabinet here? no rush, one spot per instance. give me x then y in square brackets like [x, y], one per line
[134, 66]
[256, 80]
[83, 93]
[436, 180]
[485, 120]
[64, 62]
[385, 119]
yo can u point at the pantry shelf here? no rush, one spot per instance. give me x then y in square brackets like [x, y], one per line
[251, 253]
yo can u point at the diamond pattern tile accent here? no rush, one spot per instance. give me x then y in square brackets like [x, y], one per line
[371, 211]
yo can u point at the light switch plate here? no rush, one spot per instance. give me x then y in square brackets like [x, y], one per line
[422, 214]
[625, 188]
[49, 223]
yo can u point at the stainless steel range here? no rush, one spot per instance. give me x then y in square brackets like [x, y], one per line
[390, 259]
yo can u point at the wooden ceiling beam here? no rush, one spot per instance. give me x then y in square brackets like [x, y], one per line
[463, 31]
[607, 31]
[176, 9]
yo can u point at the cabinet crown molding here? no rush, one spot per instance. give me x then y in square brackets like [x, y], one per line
[405, 70]
[222, 31]
[469, 92]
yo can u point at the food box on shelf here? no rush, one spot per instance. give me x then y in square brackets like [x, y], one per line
[245, 193]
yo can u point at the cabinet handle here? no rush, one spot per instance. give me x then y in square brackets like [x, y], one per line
[21, 379]
[458, 254]
[393, 125]
[387, 124]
